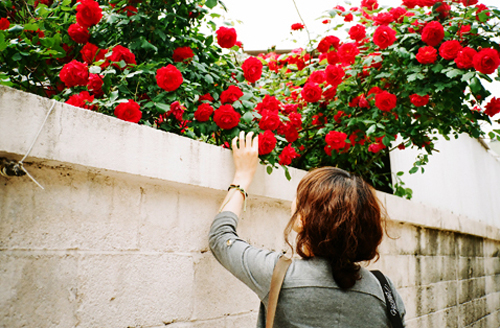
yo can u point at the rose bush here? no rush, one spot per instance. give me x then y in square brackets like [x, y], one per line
[343, 103]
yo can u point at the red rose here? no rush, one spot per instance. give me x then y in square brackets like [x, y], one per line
[82, 100]
[332, 57]
[269, 103]
[207, 97]
[230, 95]
[334, 74]
[74, 74]
[383, 19]
[348, 18]
[433, 33]
[297, 26]
[465, 57]
[480, 8]
[374, 90]
[95, 84]
[357, 32]
[317, 77]
[330, 92]
[226, 37]
[226, 117]
[295, 119]
[385, 101]
[376, 147]
[91, 53]
[311, 92]
[252, 69]
[131, 10]
[287, 155]
[4, 23]
[120, 53]
[411, 3]
[78, 34]
[335, 139]
[203, 112]
[443, 10]
[369, 4]
[182, 53]
[177, 110]
[269, 121]
[419, 101]
[347, 53]
[427, 3]
[128, 111]
[493, 107]
[450, 49]
[398, 14]
[469, 2]
[267, 142]
[327, 42]
[326, 21]
[384, 36]
[88, 13]
[486, 61]
[426, 55]
[169, 78]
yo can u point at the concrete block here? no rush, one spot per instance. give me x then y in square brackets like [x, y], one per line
[422, 300]
[122, 290]
[446, 318]
[433, 269]
[246, 320]
[471, 289]
[492, 283]
[493, 302]
[471, 312]
[469, 245]
[217, 292]
[214, 323]
[491, 248]
[38, 290]
[471, 267]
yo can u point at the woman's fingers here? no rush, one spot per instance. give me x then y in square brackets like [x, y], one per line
[242, 139]
[249, 139]
[234, 143]
[255, 143]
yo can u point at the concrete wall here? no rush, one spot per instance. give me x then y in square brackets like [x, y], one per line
[118, 236]
[463, 177]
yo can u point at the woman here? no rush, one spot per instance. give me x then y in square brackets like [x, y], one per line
[338, 223]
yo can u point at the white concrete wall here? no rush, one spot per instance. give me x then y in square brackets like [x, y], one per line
[118, 238]
[463, 177]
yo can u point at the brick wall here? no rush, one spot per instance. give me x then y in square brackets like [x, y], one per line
[118, 236]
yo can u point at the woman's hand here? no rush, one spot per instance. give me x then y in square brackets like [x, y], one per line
[246, 158]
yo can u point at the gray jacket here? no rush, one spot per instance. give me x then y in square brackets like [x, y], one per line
[310, 298]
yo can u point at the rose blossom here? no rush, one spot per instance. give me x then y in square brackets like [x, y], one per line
[493, 107]
[348, 18]
[4, 23]
[427, 3]
[230, 95]
[376, 147]
[226, 37]
[291, 133]
[317, 77]
[410, 3]
[469, 2]
[332, 57]
[287, 155]
[267, 142]
[78, 34]
[177, 110]
[433, 33]
[252, 69]
[182, 53]
[426, 55]
[450, 49]
[347, 53]
[369, 4]
[327, 42]
[311, 92]
[88, 13]
[357, 32]
[419, 101]
[203, 112]
[398, 14]
[226, 117]
[297, 26]
[74, 74]
[465, 57]
[128, 111]
[269, 121]
[120, 53]
[169, 78]
[91, 53]
[385, 101]
[384, 36]
[206, 97]
[295, 119]
[383, 19]
[82, 100]
[486, 61]
[95, 84]
[335, 139]
[334, 74]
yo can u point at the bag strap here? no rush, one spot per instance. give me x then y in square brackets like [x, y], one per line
[392, 310]
[279, 273]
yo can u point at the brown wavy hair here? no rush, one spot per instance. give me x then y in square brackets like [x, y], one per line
[341, 222]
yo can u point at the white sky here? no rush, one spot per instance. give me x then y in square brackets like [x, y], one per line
[266, 23]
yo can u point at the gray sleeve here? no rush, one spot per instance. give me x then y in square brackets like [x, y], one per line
[253, 266]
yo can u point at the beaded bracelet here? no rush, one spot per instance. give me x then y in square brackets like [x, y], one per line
[243, 192]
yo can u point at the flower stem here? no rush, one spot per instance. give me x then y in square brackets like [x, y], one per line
[303, 22]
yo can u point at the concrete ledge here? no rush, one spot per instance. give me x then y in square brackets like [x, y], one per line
[77, 138]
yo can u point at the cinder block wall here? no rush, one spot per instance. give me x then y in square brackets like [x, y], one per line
[118, 236]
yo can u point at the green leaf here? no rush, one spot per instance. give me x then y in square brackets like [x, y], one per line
[413, 170]
[437, 68]
[209, 79]
[371, 129]
[162, 108]
[211, 3]
[287, 174]
[94, 69]
[454, 72]
[476, 85]
[269, 169]
[400, 173]
[491, 135]
[466, 77]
